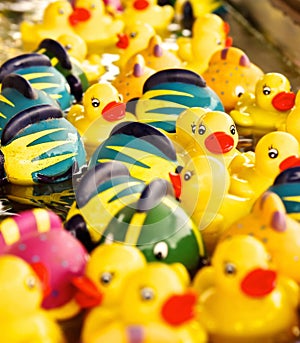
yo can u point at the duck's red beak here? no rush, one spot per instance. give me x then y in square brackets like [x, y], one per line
[87, 294]
[43, 274]
[259, 282]
[141, 4]
[289, 162]
[123, 41]
[79, 15]
[180, 308]
[175, 179]
[219, 143]
[114, 111]
[284, 101]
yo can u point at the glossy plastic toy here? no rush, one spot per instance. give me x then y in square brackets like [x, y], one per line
[259, 302]
[134, 38]
[230, 73]
[38, 70]
[55, 22]
[22, 318]
[156, 294]
[209, 34]
[148, 11]
[100, 289]
[131, 79]
[267, 109]
[38, 237]
[168, 92]
[292, 121]
[269, 222]
[274, 152]
[90, 14]
[158, 57]
[128, 213]
[91, 64]
[38, 145]
[144, 150]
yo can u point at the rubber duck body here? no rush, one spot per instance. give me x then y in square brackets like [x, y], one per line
[269, 222]
[148, 11]
[209, 34]
[230, 73]
[89, 14]
[267, 109]
[22, 318]
[260, 303]
[169, 92]
[27, 118]
[54, 23]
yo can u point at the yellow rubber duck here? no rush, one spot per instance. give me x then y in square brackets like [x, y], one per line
[87, 16]
[267, 109]
[158, 57]
[134, 38]
[132, 77]
[78, 52]
[242, 299]
[209, 34]
[158, 294]
[293, 119]
[269, 222]
[102, 108]
[22, 318]
[148, 11]
[54, 23]
[103, 284]
[230, 73]
[274, 152]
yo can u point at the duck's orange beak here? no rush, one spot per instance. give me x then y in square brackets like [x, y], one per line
[141, 4]
[114, 111]
[179, 308]
[175, 179]
[259, 282]
[79, 15]
[87, 294]
[289, 162]
[284, 101]
[219, 143]
[123, 41]
[43, 274]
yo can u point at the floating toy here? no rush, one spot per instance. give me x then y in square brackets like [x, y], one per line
[90, 14]
[157, 294]
[148, 11]
[292, 121]
[101, 287]
[38, 145]
[209, 34]
[169, 92]
[134, 38]
[230, 74]
[91, 64]
[259, 302]
[38, 70]
[267, 109]
[274, 152]
[22, 318]
[55, 22]
[131, 79]
[269, 222]
[157, 57]
[38, 237]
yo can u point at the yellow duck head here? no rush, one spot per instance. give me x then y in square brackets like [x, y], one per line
[293, 119]
[134, 38]
[269, 223]
[75, 45]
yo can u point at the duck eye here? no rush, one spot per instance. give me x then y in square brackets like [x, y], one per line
[266, 90]
[229, 268]
[92, 6]
[193, 127]
[201, 129]
[61, 11]
[147, 293]
[161, 250]
[232, 129]
[106, 278]
[31, 282]
[187, 175]
[132, 34]
[239, 91]
[95, 102]
[273, 153]
[68, 47]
